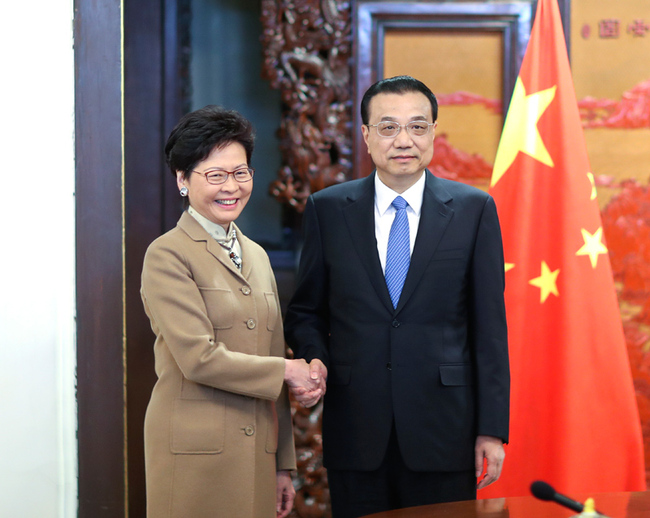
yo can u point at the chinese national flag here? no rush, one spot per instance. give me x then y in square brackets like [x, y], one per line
[574, 419]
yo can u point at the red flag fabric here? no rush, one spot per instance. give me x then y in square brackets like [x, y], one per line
[574, 418]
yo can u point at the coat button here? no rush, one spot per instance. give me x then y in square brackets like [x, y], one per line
[246, 290]
[250, 324]
[396, 323]
[389, 366]
[249, 430]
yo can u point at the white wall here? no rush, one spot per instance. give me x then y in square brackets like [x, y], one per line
[38, 450]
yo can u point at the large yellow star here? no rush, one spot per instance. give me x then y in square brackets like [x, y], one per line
[546, 282]
[508, 266]
[520, 130]
[593, 245]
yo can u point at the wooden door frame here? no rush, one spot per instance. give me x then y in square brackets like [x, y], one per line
[99, 258]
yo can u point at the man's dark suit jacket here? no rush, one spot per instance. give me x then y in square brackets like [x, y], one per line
[438, 364]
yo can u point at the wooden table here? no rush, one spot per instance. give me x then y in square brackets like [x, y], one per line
[614, 505]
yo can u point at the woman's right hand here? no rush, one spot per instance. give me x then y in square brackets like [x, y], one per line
[307, 383]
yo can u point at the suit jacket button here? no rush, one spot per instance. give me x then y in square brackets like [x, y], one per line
[389, 366]
[250, 324]
[396, 323]
[246, 290]
[249, 430]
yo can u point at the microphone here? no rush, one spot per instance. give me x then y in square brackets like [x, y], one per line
[545, 491]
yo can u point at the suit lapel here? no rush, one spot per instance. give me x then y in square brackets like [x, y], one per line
[194, 229]
[246, 253]
[434, 218]
[359, 215]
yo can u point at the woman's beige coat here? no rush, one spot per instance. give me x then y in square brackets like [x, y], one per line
[218, 424]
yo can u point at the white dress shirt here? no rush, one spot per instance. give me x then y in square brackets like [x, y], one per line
[385, 213]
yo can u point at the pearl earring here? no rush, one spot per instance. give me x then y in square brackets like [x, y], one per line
[183, 192]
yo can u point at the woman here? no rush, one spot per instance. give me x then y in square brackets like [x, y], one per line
[218, 435]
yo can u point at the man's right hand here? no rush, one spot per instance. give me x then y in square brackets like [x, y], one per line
[306, 381]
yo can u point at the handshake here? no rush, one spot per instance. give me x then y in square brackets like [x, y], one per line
[306, 380]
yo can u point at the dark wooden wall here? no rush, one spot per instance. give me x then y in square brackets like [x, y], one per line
[100, 310]
[127, 100]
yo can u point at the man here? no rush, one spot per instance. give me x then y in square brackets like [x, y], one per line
[401, 308]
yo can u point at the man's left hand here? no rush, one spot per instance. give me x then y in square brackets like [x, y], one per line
[491, 449]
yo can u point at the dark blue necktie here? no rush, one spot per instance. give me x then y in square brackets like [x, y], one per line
[398, 256]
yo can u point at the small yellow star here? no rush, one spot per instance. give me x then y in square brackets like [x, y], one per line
[520, 131]
[509, 266]
[592, 181]
[546, 282]
[593, 245]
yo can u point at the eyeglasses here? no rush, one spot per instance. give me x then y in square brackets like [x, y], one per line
[218, 177]
[391, 129]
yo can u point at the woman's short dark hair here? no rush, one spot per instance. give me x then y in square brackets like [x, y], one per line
[397, 85]
[201, 131]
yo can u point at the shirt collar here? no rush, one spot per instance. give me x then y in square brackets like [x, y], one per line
[212, 228]
[384, 195]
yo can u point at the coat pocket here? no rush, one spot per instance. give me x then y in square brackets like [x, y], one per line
[456, 374]
[198, 426]
[271, 418]
[220, 306]
[272, 308]
[451, 254]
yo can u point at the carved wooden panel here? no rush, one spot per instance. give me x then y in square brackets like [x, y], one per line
[307, 49]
